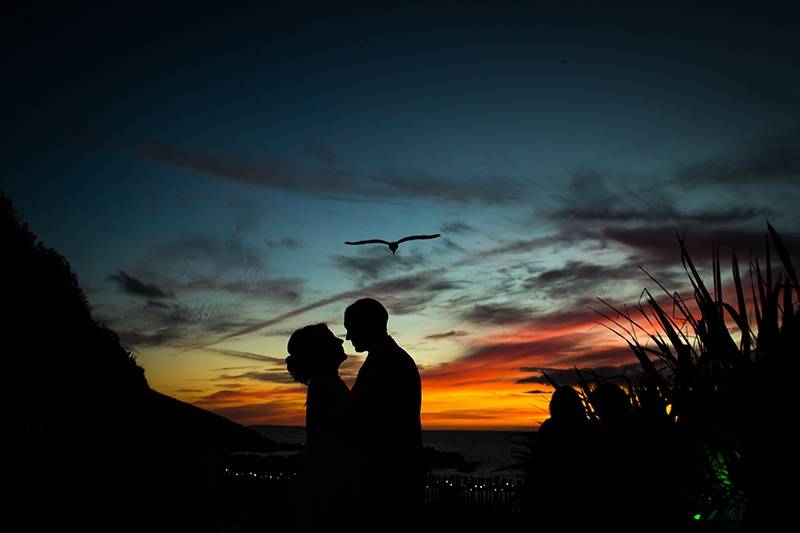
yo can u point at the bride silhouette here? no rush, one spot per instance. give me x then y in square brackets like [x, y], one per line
[324, 480]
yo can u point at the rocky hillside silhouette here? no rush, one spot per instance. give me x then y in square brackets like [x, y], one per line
[92, 447]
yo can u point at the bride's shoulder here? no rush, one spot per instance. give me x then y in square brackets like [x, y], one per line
[327, 385]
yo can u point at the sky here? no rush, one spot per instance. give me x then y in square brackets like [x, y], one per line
[202, 168]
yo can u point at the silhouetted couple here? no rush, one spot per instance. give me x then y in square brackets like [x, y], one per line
[362, 463]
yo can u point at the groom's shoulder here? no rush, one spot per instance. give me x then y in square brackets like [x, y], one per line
[399, 350]
[405, 360]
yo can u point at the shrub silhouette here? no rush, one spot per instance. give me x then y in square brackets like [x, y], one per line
[713, 368]
[91, 446]
[61, 360]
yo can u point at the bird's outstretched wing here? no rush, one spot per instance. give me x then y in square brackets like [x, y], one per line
[414, 237]
[370, 241]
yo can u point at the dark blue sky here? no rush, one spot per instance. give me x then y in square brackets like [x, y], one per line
[201, 168]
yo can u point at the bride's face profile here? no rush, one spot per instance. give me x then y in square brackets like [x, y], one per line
[314, 351]
[336, 347]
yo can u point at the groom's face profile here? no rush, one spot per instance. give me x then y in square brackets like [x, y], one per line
[355, 335]
[365, 322]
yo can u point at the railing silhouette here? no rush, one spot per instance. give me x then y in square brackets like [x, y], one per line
[471, 490]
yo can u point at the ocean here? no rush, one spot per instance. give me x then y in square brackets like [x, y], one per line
[491, 452]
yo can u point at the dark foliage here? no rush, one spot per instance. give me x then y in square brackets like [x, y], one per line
[707, 425]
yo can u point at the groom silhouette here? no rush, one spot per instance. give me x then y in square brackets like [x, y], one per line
[386, 400]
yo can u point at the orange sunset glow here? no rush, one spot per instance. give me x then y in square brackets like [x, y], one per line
[489, 387]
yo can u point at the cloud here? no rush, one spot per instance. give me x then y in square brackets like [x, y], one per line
[775, 160]
[659, 244]
[247, 216]
[576, 278]
[201, 263]
[282, 404]
[570, 318]
[492, 371]
[457, 226]
[280, 290]
[644, 221]
[321, 153]
[590, 202]
[468, 414]
[248, 356]
[193, 258]
[408, 305]
[137, 287]
[174, 324]
[323, 176]
[550, 348]
[283, 413]
[658, 213]
[216, 278]
[512, 415]
[285, 332]
[270, 376]
[565, 338]
[598, 356]
[496, 362]
[209, 314]
[255, 326]
[275, 370]
[560, 239]
[161, 337]
[498, 314]
[439, 285]
[189, 248]
[237, 250]
[446, 244]
[411, 182]
[568, 376]
[447, 335]
[502, 366]
[401, 298]
[429, 280]
[192, 325]
[380, 290]
[286, 242]
[155, 304]
[371, 264]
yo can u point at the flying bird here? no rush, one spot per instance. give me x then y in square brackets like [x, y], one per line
[393, 245]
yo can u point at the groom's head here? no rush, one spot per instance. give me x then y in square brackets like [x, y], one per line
[365, 322]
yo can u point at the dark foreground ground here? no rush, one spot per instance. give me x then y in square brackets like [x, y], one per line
[250, 503]
[259, 500]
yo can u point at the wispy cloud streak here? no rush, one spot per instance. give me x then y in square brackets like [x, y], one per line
[330, 180]
[137, 287]
[378, 289]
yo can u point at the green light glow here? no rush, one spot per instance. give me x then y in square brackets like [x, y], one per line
[697, 516]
